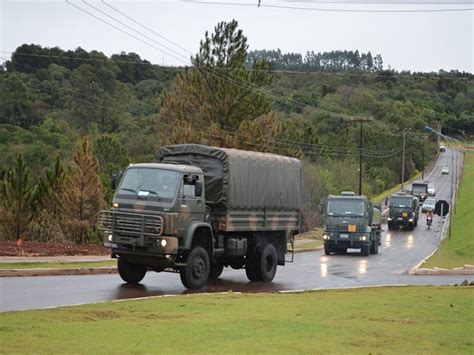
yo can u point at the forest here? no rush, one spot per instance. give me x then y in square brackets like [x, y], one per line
[69, 119]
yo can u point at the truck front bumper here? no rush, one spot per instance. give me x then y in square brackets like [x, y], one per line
[346, 240]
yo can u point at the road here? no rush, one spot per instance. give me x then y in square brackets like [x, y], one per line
[400, 251]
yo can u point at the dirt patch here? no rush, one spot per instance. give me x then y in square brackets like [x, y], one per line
[27, 248]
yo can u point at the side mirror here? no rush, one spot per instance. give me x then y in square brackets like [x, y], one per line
[198, 189]
[113, 181]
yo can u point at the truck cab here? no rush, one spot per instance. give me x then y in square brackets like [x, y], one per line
[351, 222]
[403, 211]
[420, 190]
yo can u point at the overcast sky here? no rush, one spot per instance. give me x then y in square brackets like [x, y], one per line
[417, 41]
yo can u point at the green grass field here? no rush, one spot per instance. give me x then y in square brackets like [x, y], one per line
[459, 250]
[376, 320]
[56, 265]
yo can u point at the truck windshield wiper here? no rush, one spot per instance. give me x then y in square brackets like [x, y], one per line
[126, 189]
[150, 191]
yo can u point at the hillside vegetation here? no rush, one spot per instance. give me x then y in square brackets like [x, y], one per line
[72, 118]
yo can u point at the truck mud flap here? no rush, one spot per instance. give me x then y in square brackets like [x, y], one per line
[290, 249]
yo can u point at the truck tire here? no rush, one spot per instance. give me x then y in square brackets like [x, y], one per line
[327, 249]
[374, 246]
[410, 226]
[267, 263]
[365, 250]
[216, 271]
[129, 272]
[250, 265]
[196, 272]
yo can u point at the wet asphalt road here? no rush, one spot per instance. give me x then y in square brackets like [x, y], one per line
[400, 251]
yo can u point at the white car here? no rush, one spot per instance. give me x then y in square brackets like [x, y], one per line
[445, 170]
[431, 190]
[442, 148]
[428, 205]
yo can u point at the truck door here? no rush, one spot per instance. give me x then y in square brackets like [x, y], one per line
[192, 206]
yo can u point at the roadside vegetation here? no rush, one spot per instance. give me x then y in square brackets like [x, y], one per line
[459, 250]
[57, 265]
[382, 320]
[69, 119]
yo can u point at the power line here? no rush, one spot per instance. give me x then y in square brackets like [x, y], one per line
[285, 7]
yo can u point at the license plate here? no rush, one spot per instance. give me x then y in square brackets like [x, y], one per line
[110, 245]
[400, 219]
[344, 236]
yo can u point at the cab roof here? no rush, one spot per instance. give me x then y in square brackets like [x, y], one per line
[182, 168]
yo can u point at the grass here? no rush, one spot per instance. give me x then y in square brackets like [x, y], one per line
[312, 239]
[56, 265]
[377, 320]
[459, 250]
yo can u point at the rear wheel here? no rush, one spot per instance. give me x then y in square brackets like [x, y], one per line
[130, 272]
[268, 262]
[196, 272]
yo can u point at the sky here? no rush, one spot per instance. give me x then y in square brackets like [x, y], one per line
[415, 41]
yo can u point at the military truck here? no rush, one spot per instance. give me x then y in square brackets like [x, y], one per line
[351, 222]
[420, 190]
[198, 209]
[403, 211]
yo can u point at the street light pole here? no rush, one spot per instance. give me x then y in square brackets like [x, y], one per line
[403, 159]
[360, 159]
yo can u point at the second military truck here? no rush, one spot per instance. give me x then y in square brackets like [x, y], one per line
[403, 211]
[351, 221]
[199, 209]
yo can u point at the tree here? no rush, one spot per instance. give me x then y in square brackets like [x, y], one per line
[83, 196]
[16, 107]
[218, 88]
[18, 201]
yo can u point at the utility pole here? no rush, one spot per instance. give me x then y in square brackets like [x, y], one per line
[361, 121]
[423, 157]
[403, 158]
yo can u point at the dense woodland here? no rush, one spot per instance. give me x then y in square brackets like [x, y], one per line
[69, 119]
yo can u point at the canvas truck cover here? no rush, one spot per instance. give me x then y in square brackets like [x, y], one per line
[241, 179]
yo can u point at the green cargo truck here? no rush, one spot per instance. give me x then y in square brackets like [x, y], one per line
[351, 222]
[403, 211]
[420, 190]
[198, 209]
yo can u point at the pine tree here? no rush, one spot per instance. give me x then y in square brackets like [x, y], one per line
[218, 88]
[18, 201]
[83, 196]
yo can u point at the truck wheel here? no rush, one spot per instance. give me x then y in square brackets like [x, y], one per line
[374, 246]
[129, 272]
[365, 250]
[410, 226]
[216, 270]
[268, 261]
[196, 272]
[327, 249]
[250, 265]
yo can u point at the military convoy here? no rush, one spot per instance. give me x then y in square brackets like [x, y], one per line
[351, 222]
[403, 211]
[198, 209]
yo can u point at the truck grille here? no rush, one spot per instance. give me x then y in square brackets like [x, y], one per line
[130, 224]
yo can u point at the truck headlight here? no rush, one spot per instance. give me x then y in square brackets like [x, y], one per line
[326, 236]
[110, 237]
[363, 238]
[389, 218]
[163, 243]
[410, 220]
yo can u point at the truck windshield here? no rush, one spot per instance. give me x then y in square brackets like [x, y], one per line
[148, 181]
[399, 201]
[346, 207]
[419, 189]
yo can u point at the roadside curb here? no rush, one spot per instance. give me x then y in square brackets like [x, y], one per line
[84, 270]
[465, 270]
[58, 272]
